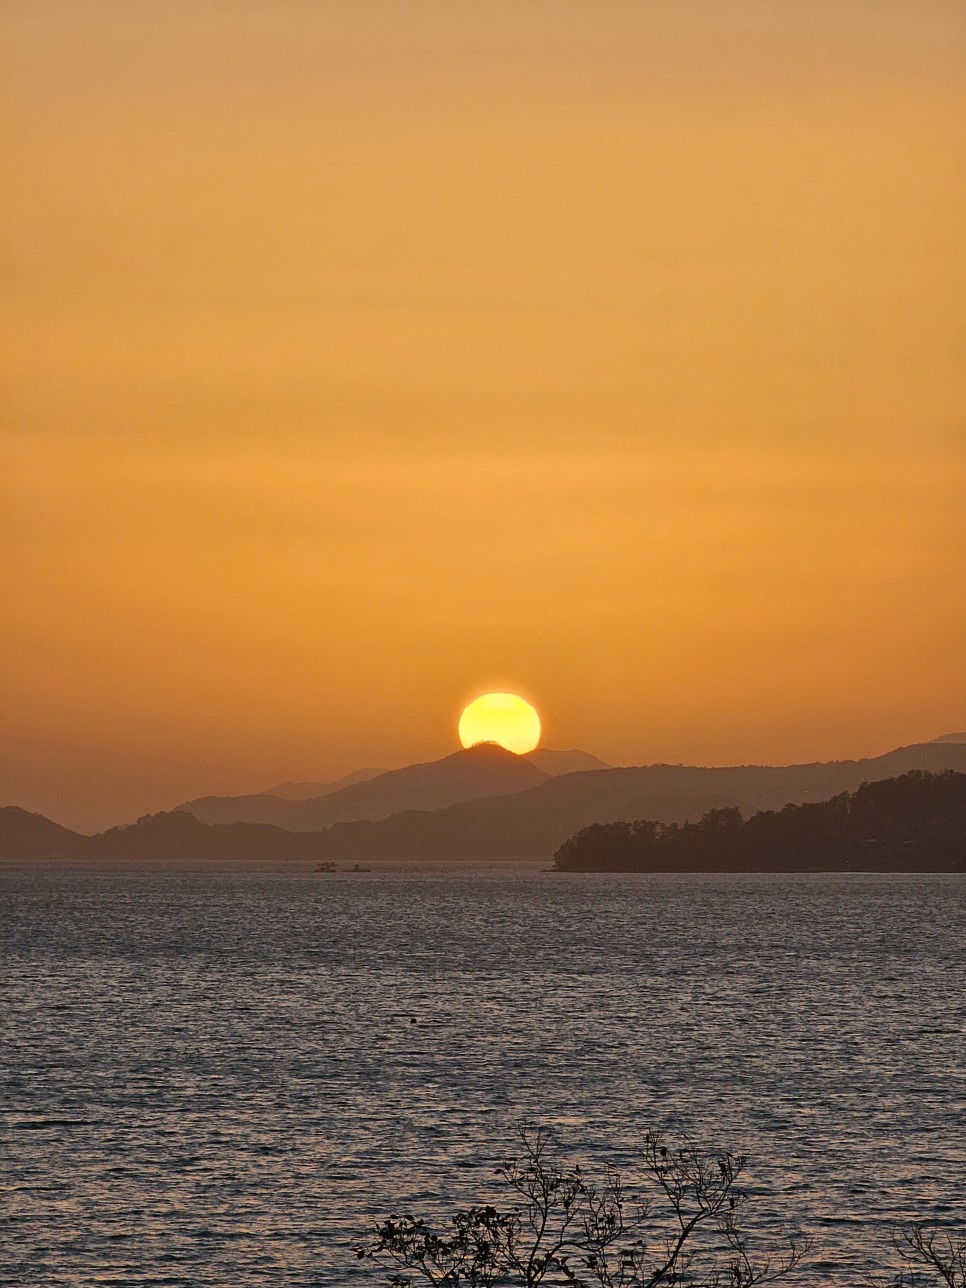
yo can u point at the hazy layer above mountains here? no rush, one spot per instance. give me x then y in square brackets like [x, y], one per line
[305, 791]
[565, 762]
[526, 823]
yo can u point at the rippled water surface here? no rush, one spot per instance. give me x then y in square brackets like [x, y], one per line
[222, 1080]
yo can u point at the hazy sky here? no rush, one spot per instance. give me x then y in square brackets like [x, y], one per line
[359, 357]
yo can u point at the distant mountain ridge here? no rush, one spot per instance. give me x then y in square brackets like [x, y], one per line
[172, 839]
[524, 825]
[24, 835]
[531, 825]
[178, 838]
[484, 770]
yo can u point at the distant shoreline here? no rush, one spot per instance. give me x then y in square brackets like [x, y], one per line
[404, 866]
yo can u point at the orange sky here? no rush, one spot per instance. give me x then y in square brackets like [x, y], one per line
[359, 357]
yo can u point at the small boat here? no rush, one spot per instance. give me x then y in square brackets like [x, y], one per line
[325, 867]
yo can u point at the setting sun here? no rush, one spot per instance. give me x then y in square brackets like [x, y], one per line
[503, 718]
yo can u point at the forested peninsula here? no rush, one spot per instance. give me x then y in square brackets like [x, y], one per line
[914, 823]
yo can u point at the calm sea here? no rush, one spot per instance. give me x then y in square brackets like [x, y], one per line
[218, 1080]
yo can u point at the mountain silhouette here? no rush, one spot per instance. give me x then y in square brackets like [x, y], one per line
[31, 836]
[545, 758]
[167, 840]
[526, 824]
[179, 839]
[406, 792]
[484, 770]
[531, 825]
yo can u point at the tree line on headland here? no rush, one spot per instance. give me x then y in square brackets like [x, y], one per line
[916, 822]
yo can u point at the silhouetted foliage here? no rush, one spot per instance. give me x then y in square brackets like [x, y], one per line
[560, 1227]
[913, 823]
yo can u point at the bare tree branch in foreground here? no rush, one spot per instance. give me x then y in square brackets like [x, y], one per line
[562, 1228]
[930, 1256]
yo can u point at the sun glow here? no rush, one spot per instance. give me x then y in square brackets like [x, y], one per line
[502, 718]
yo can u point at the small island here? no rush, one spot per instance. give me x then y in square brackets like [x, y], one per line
[914, 823]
